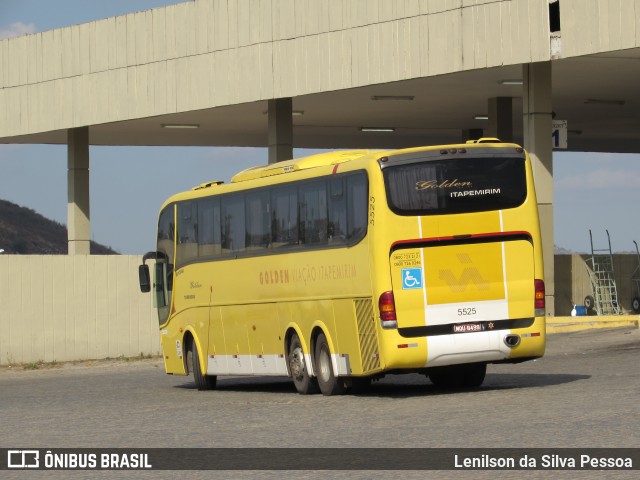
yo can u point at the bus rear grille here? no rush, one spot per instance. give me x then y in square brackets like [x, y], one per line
[367, 335]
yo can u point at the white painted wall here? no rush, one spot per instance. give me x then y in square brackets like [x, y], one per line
[58, 307]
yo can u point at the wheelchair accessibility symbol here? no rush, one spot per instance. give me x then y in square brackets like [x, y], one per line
[411, 278]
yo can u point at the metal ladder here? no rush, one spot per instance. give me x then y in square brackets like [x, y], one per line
[603, 284]
[635, 284]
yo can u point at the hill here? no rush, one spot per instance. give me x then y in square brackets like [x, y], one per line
[24, 231]
[562, 251]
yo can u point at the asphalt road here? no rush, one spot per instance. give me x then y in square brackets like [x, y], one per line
[584, 393]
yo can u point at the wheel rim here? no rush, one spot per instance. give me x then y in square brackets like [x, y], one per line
[296, 363]
[324, 365]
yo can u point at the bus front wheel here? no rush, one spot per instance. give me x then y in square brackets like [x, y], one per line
[203, 382]
[304, 383]
[327, 381]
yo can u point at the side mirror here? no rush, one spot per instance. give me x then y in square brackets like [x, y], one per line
[143, 276]
[143, 270]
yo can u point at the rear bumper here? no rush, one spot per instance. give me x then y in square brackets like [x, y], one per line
[422, 347]
[446, 329]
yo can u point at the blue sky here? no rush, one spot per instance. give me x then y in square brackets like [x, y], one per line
[128, 184]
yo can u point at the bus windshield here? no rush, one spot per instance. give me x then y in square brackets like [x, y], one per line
[456, 185]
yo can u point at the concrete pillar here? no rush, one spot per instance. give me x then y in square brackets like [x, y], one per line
[537, 109]
[280, 113]
[78, 224]
[500, 119]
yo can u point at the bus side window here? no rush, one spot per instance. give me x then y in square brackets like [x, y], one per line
[284, 217]
[258, 226]
[187, 232]
[337, 228]
[209, 243]
[357, 207]
[232, 224]
[313, 213]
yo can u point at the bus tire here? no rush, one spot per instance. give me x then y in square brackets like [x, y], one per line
[474, 374]
[304, 383]
[459, 376]
[203, 382]
[327, 381]
[635, 304]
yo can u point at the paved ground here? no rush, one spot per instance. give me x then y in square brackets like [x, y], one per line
[584, 393]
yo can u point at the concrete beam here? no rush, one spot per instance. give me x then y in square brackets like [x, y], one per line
[537, 110]
[280, 113]
[78, 215]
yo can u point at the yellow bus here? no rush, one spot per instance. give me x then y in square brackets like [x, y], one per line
[338, 268]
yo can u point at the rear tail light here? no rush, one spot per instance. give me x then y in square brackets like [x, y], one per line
[539, 303]
[387, 307]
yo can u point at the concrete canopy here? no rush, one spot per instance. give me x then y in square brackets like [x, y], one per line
[216, 64]
[598, 95]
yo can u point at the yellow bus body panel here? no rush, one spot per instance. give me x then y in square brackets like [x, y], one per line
[253, 305]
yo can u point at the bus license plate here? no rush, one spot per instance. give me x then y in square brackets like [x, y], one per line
[467, 327]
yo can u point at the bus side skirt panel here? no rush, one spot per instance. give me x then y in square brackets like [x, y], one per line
[273, 364]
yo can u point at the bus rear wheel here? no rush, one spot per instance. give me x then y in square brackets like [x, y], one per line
[327, 381]
[459, 376]
[303, 382]
[203, 382]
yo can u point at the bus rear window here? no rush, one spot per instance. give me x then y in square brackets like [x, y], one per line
[456, 185]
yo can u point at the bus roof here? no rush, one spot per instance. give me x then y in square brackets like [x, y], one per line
[303, 163]
[327, 159]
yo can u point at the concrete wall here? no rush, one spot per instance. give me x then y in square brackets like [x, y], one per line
[76, 307]
[597, 26]
[210, 53]
[90, 307]
[572, 281]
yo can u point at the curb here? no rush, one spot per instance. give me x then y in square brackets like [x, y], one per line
[574, 324]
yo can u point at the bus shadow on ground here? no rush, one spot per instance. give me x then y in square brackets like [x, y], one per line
[249, 384]
[400, 386]
[493, 382]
